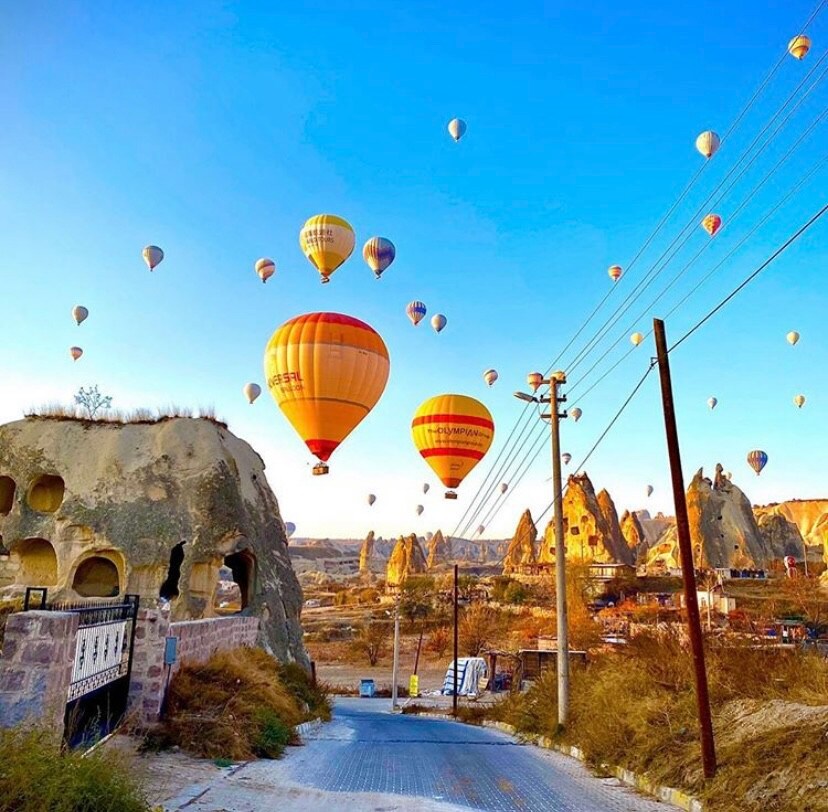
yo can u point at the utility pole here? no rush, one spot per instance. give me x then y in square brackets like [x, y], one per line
[688, 573]
[560, 552]
[456, 642]
[395, 668]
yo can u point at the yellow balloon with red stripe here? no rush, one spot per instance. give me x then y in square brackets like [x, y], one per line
[452, 434]
[326, 371]
[327, 241]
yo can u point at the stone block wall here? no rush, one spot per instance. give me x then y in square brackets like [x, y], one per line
[36, 668]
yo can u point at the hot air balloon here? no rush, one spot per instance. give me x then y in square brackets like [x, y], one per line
[504, 486]
[711, 402]
[152, 256]
[793, 338]
[415, 311]
[371, 499]
[457, 128]
[79, 314]
[419, 510]
[576, 414]
[490, 376]
[480, 529]
[757, 460]
[265, 268]
[566, 457]
[711, 224]
[799, 46]
[75, 352]
[452, 434]
[637, 338]
[650, 490]
[327, 241]
[707, 143]
[615, 272]
[534, 379]
[379, 253]
[799, 401]
[325, 371]
[728, 474]
[290, 529]
[438, 322]
[252, 391]
[426, 486]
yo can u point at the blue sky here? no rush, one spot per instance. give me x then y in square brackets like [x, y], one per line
[215, 129]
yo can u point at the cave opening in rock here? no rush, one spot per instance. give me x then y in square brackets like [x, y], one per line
[169, 589]
[46, 493]
[37, 562]
[97, 577]
[243, 569]
[7, 489]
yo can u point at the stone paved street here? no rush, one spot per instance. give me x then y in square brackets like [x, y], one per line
[368, 759]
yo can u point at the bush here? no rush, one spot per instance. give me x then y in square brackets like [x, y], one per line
[372, 641]
[480, 628]
[440, 641]
[516, 593]
[271, 735]
[35, 776]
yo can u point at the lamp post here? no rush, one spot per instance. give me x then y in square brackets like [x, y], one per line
[536, 380]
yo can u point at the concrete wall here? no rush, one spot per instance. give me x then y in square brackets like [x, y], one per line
[36, 668]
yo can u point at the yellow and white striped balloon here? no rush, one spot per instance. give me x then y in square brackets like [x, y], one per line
[327, 241]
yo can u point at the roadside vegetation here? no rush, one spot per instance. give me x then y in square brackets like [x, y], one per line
[36, 776]
[239, 705]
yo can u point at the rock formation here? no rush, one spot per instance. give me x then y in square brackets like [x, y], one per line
[781, 536]
[522, 547]
[366, 553]
[634, 536]
[406, 559]
[664, 554]
[101, 509]
[653, 526]
[811, 518]
[621, 550]
[439, 551]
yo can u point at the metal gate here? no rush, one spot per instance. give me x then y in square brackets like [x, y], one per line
[99, 688]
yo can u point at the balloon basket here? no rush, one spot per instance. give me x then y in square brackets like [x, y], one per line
[320, 469]
[451, 495]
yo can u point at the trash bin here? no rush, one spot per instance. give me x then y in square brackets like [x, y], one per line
[366, 688]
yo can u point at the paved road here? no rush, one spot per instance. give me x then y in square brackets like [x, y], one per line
[368, 759]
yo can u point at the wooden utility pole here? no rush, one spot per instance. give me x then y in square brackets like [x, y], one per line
[456, 642]
[688, 573]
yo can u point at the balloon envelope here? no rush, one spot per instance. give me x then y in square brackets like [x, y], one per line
[327, 241]
[152, 256]
[371, 499]
[325, 371]
[707, 143]
[799, 46]
[793, 337]
[415, 311]
[265, 268]
[576, 414]
[566, 457]
[711, 224]
[799, 401]
[711, 402]
[534, 379]
[481, 528]
[452, 434]
[75, 352]
[79, 314]
[438, 322]
[426, 486]
[615, 272]
[290, 529]
[252, 391]
[649, 490]
[457, 128]
[490, 376]
[637, 338]
[419, 510]
[504, 486]
[757, 460]
[379, 253]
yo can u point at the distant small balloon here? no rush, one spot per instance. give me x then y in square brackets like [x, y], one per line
[799, 46]
[490, 376]
[75, 352]
[728, 474]
[504, 486]
[757, 460]
[457, 128]
[371, 499]
[799, 401]
[637, 338]
[426, 486]
[290, 529]
[419, 510]
[711, 402]
[252, 391]
[379, 253]
[708, 143]
[438, 322]
[265, 268]
[711, 224]
[415, 311]
[153, 256]
[576, 414]
[481, 528]
[615, 272]
[793, 338]
[79, 314]
[534, 379]
[566, 457]
[650, 490]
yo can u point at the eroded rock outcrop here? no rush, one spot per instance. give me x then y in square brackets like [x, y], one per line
[811, 518]
[621, 550]
[406, 559]
[522, 547]
[634, 536]
[781, 536]
[366, 554]
[439, 551]
[100, 509]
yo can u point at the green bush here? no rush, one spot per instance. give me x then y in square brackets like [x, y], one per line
[272, 735]
[35, 777]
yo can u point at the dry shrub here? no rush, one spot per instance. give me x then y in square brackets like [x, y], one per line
[139, 416]
[440, 641]
[239, 705]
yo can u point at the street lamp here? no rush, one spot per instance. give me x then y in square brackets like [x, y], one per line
[535, 381]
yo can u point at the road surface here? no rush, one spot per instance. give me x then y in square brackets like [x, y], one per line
[369, 759]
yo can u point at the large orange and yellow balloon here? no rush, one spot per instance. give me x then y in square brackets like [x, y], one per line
[452, 434]
[326, 371]
[327, 241]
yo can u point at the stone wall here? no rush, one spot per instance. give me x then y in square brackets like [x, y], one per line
[36, 668]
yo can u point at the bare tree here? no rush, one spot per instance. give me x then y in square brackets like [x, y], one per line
[372, 641]
[92, 401]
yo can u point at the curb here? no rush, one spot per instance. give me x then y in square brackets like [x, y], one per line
[669, 795]
[308, 727]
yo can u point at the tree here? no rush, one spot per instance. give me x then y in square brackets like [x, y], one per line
[480, 628]
[440, 641]
[372, 640]
[92, 401]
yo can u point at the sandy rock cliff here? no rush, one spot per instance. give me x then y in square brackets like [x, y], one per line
[99, 509]
[406, 559]
[811, 519]
[634, 536]
[522, 547]
[439, 551]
